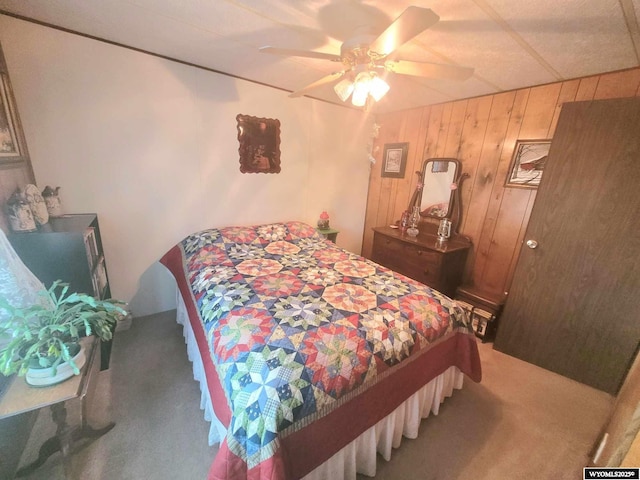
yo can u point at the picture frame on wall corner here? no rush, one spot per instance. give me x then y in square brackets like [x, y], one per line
[10, 150]
[527, 163]
[394, 160]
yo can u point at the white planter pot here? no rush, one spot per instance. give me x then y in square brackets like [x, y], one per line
[42, 377]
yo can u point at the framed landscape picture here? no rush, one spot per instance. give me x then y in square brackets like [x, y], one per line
[527, 164]
[394, 160]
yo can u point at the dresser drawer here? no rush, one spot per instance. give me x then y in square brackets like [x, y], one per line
[422, 258]
[427, 274]
[413, 261]
[415, 253]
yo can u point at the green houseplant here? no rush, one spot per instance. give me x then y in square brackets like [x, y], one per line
[42, 337]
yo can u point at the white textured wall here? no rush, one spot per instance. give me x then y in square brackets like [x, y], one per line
[150, 145]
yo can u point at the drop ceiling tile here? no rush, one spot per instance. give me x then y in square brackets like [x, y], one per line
[472, 87]
[576, 37]
[467, 36]
[573, 37]
[234, 21]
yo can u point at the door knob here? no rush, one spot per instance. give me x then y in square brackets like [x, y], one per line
[532, 243]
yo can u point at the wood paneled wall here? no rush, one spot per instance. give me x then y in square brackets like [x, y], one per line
[13, 174]
[481, 132]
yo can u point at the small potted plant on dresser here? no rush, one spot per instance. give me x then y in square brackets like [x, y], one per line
[42, 342]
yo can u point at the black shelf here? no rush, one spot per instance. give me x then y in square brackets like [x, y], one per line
[68, 248]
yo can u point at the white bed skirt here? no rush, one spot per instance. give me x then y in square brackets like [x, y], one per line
[359, 456]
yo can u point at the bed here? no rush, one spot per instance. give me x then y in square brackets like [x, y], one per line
[311, 358]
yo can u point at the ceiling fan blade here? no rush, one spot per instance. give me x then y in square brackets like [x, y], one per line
[411, 22]
[318, 83]
[425, 69]
[301, 53]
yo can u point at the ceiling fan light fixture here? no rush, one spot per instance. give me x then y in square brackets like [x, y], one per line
[366, 83]
[366, 54]
[343, 89]
[378, 88]
[360, 90]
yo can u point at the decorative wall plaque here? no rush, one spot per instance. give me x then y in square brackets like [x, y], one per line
[259, 144]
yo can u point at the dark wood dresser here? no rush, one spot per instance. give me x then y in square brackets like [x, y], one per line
[439, 265]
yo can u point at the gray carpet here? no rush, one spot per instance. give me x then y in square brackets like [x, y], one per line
[521, 422]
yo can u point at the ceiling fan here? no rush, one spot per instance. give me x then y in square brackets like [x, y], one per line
[365, 56]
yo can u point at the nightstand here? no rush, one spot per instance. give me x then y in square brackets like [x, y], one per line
[329, 233]
[484, 308]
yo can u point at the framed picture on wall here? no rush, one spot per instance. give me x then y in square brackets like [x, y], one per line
[527, 163]
[394, 160]
[9, 144]
[259, 144]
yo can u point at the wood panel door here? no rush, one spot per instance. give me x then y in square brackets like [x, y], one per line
[574, 304]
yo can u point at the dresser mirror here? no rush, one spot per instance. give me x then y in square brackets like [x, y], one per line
[439, 187]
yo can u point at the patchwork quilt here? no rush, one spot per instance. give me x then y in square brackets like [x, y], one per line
[293, 327]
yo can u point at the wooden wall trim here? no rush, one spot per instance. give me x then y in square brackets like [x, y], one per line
[481, 132]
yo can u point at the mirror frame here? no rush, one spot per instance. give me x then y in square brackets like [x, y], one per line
[454, 192]
[455, 203]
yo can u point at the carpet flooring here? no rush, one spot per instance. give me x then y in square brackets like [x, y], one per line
[520, 422]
